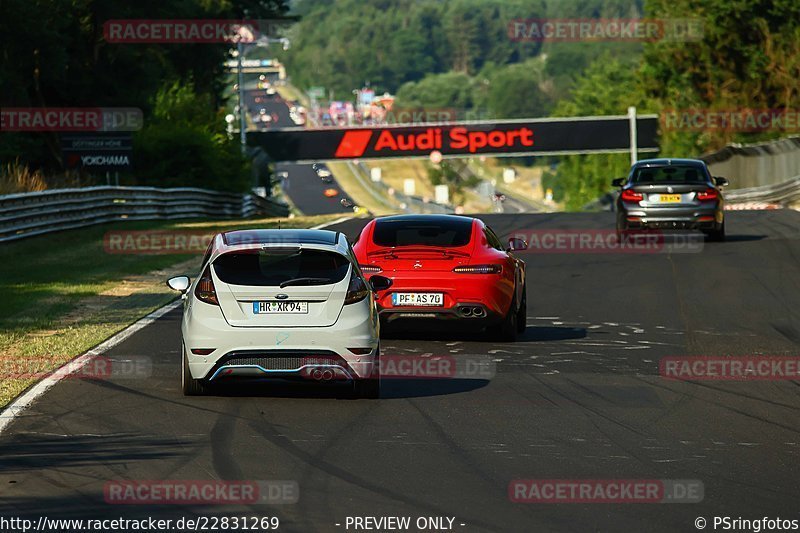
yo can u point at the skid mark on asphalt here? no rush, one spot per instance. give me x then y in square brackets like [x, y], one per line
[553, 345]
[725, 406]
[267, 432]
[221, 439]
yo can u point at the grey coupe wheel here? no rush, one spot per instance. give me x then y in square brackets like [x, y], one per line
[717, 235]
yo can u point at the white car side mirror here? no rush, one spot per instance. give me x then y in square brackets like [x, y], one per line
[179, 283]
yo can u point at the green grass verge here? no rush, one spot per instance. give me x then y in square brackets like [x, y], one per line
[63, 293]
[357, 192]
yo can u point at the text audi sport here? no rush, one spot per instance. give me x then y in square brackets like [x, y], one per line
[446, 267]
[456, 139]
[282, 304]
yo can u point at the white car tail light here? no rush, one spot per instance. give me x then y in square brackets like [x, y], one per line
[205, 290]
[356, 291]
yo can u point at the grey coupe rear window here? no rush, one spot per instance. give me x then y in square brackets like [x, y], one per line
[669, 174]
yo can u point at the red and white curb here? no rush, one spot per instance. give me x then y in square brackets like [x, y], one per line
[752, 206]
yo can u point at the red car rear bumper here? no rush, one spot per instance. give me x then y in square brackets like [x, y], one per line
[465, 296]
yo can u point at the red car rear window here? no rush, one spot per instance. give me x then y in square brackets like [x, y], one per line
[446, 233]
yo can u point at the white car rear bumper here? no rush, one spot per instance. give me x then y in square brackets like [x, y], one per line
[204, 327]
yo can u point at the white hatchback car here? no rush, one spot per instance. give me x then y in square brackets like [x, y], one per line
[280, 303]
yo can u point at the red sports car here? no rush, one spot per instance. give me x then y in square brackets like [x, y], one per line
[446, 267]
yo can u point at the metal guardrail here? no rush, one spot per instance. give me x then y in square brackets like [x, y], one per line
[36, 213]
[784, 193]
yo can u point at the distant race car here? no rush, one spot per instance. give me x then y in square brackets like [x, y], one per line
[671, 194]
[330, 193]
[446, 267]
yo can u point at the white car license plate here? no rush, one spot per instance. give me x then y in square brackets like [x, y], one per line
[260, 308]
[417, 298]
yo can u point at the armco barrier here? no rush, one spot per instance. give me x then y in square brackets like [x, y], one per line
[28, 214]
[786, 193]
[756, 165]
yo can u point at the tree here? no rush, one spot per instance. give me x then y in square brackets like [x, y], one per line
[448, 90]
[608, 87]
[515, 91]
[54, 55]
[747, 57]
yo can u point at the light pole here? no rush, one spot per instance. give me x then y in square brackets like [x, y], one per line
[242, 120]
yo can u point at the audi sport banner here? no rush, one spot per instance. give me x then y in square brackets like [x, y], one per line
[512, 137]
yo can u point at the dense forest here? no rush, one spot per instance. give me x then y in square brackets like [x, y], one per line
[54, 55]
[453, 54]
[457, 54]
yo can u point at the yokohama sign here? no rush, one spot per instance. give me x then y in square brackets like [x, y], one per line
[523, 137]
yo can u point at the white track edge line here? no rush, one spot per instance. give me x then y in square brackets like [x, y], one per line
[337, 221]
[17, 406]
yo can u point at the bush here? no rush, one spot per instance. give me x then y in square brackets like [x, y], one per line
[185, 145]
[176, 156]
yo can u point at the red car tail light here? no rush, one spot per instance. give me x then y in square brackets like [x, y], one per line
[709, 195]
[370, 269]
[356, 291]
[479, 269]
[629, 195]
[202, 351]
[205, 290]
